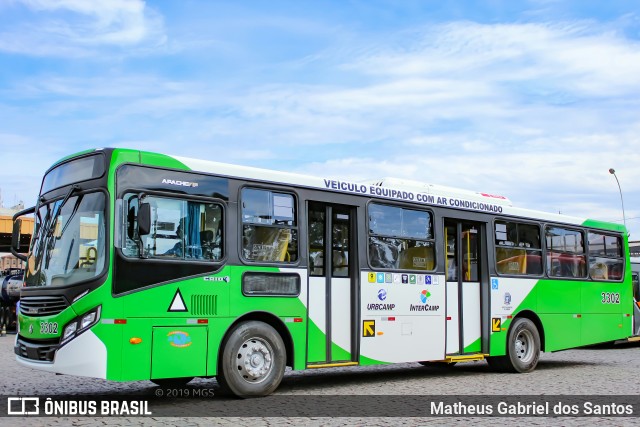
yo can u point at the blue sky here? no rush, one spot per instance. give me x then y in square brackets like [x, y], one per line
[534, 100]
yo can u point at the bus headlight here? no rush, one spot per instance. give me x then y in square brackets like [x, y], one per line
[80, 324]
[88, 320]
[69, 330]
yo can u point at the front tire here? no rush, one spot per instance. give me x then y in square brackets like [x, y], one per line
[253, 360]
[523, 348]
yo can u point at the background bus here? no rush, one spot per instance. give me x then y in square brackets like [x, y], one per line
[146, 266]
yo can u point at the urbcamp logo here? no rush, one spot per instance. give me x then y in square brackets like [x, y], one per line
[179, 183]
[179, 339]
[424, 296]
[382, 294]
[507, 298]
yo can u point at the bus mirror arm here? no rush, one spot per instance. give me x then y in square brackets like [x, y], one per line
[17, 232]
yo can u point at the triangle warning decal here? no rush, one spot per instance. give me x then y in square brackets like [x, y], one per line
[177, 304]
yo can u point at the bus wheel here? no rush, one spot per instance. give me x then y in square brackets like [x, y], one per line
[171, 382]
[523, 348]
[253, 360]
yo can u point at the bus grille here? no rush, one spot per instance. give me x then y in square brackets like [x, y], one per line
[42, 305]
[204, 305]
[42, 351]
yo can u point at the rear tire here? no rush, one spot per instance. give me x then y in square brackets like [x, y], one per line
[523, 348]
[253, 360]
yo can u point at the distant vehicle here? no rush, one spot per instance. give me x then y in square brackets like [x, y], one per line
[635, 279]
[14, 284]
[11, 283]
[10, 286]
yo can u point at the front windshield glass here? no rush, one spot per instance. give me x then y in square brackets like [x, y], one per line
[68, 243]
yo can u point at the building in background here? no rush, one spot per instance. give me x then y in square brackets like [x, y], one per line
[9, 261]
[6, 229]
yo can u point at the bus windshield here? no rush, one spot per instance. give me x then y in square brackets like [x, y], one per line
[68, 244]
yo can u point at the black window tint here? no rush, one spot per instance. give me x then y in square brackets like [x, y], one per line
[316, 241]
[416, 224]
[565, 252]
[269, 231]
[605, 257]
[400, 238]
[564, 240]
[74, 171]
[518, 250]
[385, 220]
[180, 229]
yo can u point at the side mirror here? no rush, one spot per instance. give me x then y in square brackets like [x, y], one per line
[144, 219]
[16, 235]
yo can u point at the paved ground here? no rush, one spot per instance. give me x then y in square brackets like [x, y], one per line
[605, 370]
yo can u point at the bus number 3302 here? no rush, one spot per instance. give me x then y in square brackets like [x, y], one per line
[610, 298]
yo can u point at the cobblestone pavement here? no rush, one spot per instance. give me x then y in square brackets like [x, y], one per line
[602, 370]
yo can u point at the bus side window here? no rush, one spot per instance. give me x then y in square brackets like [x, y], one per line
[269, 226]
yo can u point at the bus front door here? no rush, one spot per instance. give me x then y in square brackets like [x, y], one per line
[332, 280]
[464, 264]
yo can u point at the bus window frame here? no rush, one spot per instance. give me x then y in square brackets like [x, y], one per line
[411, 207]
[137, 192]
[297, 219]
[585, 253]
[542, 248]
[622, 257]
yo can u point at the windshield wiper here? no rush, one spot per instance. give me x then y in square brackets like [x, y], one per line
[54, 218]
[73, 212]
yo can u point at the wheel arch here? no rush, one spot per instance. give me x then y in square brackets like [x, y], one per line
[274, 321]
[528, 314]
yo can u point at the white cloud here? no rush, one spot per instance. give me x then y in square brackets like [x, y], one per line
[79, 28]
[537, 112]
[585, 57]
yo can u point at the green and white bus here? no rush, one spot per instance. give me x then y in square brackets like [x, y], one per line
[145, 266]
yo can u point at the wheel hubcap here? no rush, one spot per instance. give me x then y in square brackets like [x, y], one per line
[255, 360]
[523, 346]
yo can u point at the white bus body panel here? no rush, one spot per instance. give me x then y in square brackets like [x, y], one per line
[84, 356]
[407, 319]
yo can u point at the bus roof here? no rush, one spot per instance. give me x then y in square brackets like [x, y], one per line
[394, 189]
[397, 189]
